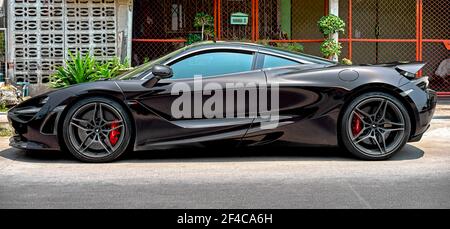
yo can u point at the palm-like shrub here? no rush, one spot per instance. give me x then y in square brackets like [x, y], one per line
[111, 69]
[84, 68]
[106, 70]
[79, 69]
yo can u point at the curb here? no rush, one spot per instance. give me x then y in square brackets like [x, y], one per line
[4, 120]
[441, 117]
[3, 117]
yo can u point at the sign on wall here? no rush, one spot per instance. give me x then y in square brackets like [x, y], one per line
[239, 19]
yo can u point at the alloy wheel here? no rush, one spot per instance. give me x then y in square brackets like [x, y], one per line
[96, 130]
[376, 127]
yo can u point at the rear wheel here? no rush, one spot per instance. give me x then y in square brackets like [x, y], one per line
[375, 126]
[97, 130]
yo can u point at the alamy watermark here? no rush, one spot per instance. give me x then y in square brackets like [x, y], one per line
[228, 100]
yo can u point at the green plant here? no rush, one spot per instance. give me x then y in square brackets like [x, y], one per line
[4, 132]
[203, 20]
[330, 47]
[106, 70]
[193, 38]
[121, 65]
[209, 33]
[84, 68]
[3, 107]
[331, 24]
[8, 87]
[293, 47]
[79, 69]
[111, 69]
[346, 61]
[124, 66]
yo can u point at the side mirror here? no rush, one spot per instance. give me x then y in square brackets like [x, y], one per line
[159, 72]
[162, 71]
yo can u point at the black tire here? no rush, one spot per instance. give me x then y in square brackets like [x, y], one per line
[110, 152]
[375, 132]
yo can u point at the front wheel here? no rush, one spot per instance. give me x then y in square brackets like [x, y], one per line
[375, 126]
[97, 130]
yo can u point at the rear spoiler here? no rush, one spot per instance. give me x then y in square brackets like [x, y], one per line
[407, 69]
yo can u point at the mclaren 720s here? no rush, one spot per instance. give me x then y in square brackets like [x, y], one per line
[237, 93]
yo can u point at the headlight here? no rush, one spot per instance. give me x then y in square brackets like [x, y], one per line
[43, 101]
[28, 111]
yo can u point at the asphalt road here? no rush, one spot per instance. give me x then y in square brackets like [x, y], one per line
[418, 177]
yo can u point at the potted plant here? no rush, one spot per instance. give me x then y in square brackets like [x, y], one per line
[205, 22]
[329, 25]
[330, 48]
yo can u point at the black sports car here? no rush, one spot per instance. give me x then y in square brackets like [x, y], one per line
[370, 110]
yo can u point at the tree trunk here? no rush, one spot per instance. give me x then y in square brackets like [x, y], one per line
[203, 32]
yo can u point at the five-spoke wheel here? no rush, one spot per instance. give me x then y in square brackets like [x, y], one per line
[375, 126]
[96, 130]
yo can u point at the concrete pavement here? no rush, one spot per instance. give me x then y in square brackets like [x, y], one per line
[418, 177]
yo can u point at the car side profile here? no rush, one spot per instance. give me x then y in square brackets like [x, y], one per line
[371, 111]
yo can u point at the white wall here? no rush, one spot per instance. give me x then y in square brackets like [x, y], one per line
[40, 34]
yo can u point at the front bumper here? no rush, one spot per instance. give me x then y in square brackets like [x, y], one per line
[20, 143]
[35, 131]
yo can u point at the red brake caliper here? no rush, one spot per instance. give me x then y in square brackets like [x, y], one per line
[356, 125]
[114, 134]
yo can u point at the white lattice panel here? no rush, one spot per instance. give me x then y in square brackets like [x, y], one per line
[43, 30]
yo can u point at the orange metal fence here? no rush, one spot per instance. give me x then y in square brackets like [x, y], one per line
[377, 31]
[409, 30]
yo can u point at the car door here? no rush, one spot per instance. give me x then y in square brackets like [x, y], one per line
[225, 73]
[292, 79]
[300, 99]
[277, 69]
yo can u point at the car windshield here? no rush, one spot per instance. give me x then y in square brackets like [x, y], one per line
[139, 71]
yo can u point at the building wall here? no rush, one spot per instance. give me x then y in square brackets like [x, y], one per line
[43, 32]
[3, 37]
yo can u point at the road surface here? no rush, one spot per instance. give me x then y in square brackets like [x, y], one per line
[418, 177]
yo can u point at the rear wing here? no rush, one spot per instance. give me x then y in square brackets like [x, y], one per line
[409, 70]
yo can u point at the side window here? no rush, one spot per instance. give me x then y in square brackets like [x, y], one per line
[212, 64]
[273, 62]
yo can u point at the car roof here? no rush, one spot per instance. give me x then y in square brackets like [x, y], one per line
[222, 44]
[256, 48]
